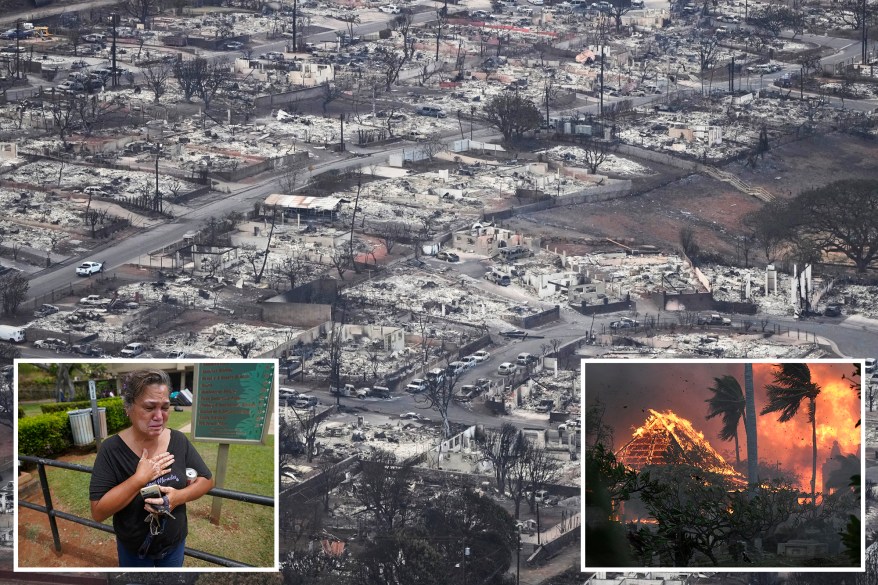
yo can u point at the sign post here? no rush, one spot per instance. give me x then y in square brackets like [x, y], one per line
[95, 416]
[232, 403]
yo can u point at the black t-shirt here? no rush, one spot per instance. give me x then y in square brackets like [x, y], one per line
[116, 462]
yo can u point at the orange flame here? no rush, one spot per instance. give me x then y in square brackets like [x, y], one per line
[789, 443]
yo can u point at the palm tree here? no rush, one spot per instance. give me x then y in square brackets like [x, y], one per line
[792, 384]
[750, 426]
[728, 402]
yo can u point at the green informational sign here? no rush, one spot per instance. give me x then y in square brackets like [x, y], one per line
[232, 401]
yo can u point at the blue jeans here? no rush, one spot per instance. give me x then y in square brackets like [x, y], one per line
[173, 558]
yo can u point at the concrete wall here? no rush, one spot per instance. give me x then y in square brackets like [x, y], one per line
[703, 301]
[615, 190]
[539, 319]
[659, 157]
[313, 487]
[297, 159]
[296, 314]
[289, 97]
[600, 309]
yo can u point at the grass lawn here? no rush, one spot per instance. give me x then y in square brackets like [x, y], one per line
[245, 532]
[33, 408]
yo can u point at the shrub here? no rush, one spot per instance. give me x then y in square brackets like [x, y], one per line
[20, 412]
[116, 419]
[44, 435]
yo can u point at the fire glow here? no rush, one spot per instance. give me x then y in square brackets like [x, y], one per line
[789, 443]
[681, 431]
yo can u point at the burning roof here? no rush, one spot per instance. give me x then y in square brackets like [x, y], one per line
[666, 438]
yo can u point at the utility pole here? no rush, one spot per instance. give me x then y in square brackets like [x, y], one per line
[518, 559]
[17, 54]
[601, 110]
[295, 25]
[341, 119]
[472, 115]
[158, 195]
[114, 21]
[865, 36]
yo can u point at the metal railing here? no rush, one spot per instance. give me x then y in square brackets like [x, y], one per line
[53, 514]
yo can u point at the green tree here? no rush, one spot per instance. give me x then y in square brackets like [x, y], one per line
[839, 218]
[512, 114]
[793, 384]
[727, 401]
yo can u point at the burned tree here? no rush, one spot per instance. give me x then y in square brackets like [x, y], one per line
[293, 269]
[142, 10]
[391, 63]
[512, 114]
[188, 75]
[217, 77]
[618, 9]
[13, 291]
[596, 151]
[383, 489]
[63, 111]
[335, 342]
[391, 232]
[501, 448]
[156, 76]
[439, 395]
[309, 424]
[245, 348]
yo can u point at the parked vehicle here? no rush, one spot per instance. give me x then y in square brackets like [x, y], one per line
[448, 256]
[469, 361]
[45, 310]
[624, 323]
[416, 386]
[50, 343]
[832, 311]
[506, 368]
[89, 268]
[456, 368]
[498, 278]
[481, 355]
[714, 319]
[432, 111]
[10, 333]
[871, 364]
[233, 46]
[380, 392]
[525, 359]
[94, 301]
[132, 350]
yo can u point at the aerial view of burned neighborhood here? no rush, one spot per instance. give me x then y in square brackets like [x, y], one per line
[431, 213]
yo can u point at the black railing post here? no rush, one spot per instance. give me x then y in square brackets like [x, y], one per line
[50, 511]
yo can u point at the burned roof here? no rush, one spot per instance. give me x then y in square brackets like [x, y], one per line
[304, 202]
[666, 438]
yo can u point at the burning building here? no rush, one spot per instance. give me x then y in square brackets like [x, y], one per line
[665, 435]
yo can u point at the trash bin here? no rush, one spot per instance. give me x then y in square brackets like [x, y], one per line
[81, 425]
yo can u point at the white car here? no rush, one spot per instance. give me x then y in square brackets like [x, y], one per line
[469, 361]
[89, 268]
[536, 2]
[390, 9]
[481, 355]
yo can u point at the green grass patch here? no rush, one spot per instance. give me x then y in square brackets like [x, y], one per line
[31, 408]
